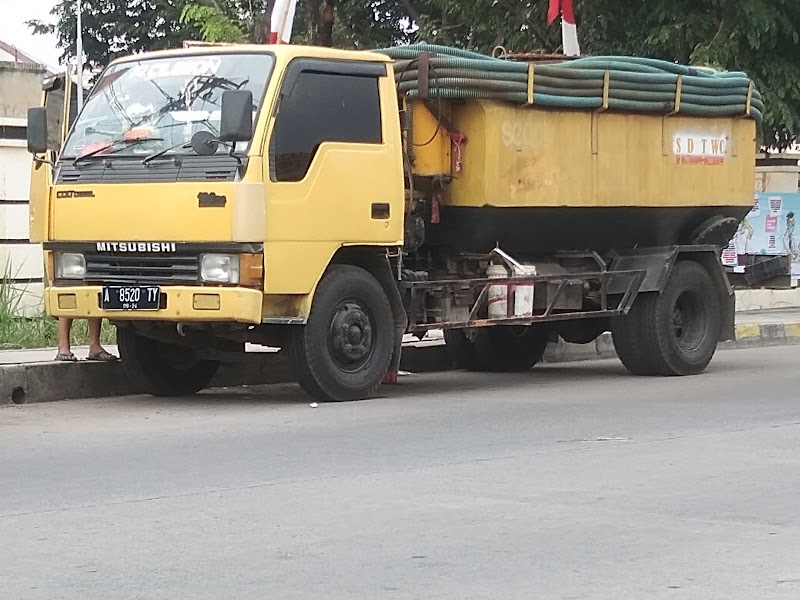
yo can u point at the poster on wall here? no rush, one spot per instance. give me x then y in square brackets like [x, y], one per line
[769, 229]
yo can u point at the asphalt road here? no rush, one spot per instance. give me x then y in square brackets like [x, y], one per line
[572, 481]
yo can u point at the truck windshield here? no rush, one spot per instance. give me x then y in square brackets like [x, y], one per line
[161, 103]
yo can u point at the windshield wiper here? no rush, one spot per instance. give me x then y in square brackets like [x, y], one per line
[161, 153]
[204, 143]
[114, 146]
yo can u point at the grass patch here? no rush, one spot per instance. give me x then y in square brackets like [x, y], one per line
[40, 331]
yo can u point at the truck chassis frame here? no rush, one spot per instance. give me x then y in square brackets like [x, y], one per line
[611, 305]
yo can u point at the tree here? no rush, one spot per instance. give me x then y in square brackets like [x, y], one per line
[229, 20]
[371, 24]
[117, 27]
[342, 23]
[759, 37]
[483, 24]
[322, 18]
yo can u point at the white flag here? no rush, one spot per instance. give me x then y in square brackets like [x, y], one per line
[282, 21]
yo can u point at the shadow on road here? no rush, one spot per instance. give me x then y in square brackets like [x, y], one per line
[411, 386]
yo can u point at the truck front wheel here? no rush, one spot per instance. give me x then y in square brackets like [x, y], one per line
[344, 350]
[498, 349]
[162, 369]
[675, 332]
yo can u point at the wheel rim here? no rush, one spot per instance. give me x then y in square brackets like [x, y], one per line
[351, 339]
[689, 321]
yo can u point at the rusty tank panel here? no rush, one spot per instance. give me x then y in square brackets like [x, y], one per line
[540, 180]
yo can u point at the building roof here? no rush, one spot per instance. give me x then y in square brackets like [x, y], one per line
[21, 56]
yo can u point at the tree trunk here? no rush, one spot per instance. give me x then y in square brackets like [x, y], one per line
[684, 52]
[322, 15]
[260, 22]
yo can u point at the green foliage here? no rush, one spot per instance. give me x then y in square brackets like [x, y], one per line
[759, 37]
[232, 21]
[114, 28]
[484, 24]
[39, 331]
[214, 24]
[358, 24]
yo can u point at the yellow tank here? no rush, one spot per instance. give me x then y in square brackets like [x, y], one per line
[597, 153]
[542, 180]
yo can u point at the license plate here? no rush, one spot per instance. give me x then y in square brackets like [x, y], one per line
[131, 297]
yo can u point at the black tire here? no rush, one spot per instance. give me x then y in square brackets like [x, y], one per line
[503, 349]
[717, 231]
[461, 349]
[162, 369]
[675, 332]
[344, 350]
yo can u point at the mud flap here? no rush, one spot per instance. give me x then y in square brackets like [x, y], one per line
[400, 326]
[728, 332]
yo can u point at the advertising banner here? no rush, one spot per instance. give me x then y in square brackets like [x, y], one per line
[769, 229]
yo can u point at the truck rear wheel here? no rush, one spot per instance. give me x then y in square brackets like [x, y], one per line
[499, 349]
[162, 369]
[344, 350]
[459, 346]
[675, 332]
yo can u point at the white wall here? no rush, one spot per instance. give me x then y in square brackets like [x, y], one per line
[20, 88]
[20, 260]
[779, 179]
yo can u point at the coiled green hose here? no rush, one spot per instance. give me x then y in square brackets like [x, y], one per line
[634, 84]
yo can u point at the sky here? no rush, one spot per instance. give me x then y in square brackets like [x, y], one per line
[14, 31]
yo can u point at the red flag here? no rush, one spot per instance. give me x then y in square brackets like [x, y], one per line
[568, 12]
[569, 32]
[562, 7]
[553, 11]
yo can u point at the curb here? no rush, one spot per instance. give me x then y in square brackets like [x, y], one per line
[52, 381]
[748, 335]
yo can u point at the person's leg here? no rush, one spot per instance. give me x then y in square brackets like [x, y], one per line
[96, 350]
[94, 336]
[64, 351]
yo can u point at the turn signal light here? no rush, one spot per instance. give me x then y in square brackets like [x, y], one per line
[251, 270]
[49, 266]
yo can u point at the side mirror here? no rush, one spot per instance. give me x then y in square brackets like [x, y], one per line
[37, 130]
[236, 120]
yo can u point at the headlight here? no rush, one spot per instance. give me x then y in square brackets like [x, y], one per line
[70, 266]
[219, 268]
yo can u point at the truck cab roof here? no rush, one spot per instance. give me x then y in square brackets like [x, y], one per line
[285, 52]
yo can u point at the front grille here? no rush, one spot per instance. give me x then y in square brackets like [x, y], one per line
[126, 169]
[142, 269]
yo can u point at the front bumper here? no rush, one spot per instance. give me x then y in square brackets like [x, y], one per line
[183, 303]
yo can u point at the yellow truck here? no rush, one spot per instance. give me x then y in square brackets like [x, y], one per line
[328, 202]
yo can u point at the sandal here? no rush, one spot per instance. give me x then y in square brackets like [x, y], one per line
[66, 357]
[102, 356]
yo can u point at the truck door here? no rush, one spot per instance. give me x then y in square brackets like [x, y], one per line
[59, 92]
[335, 172]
